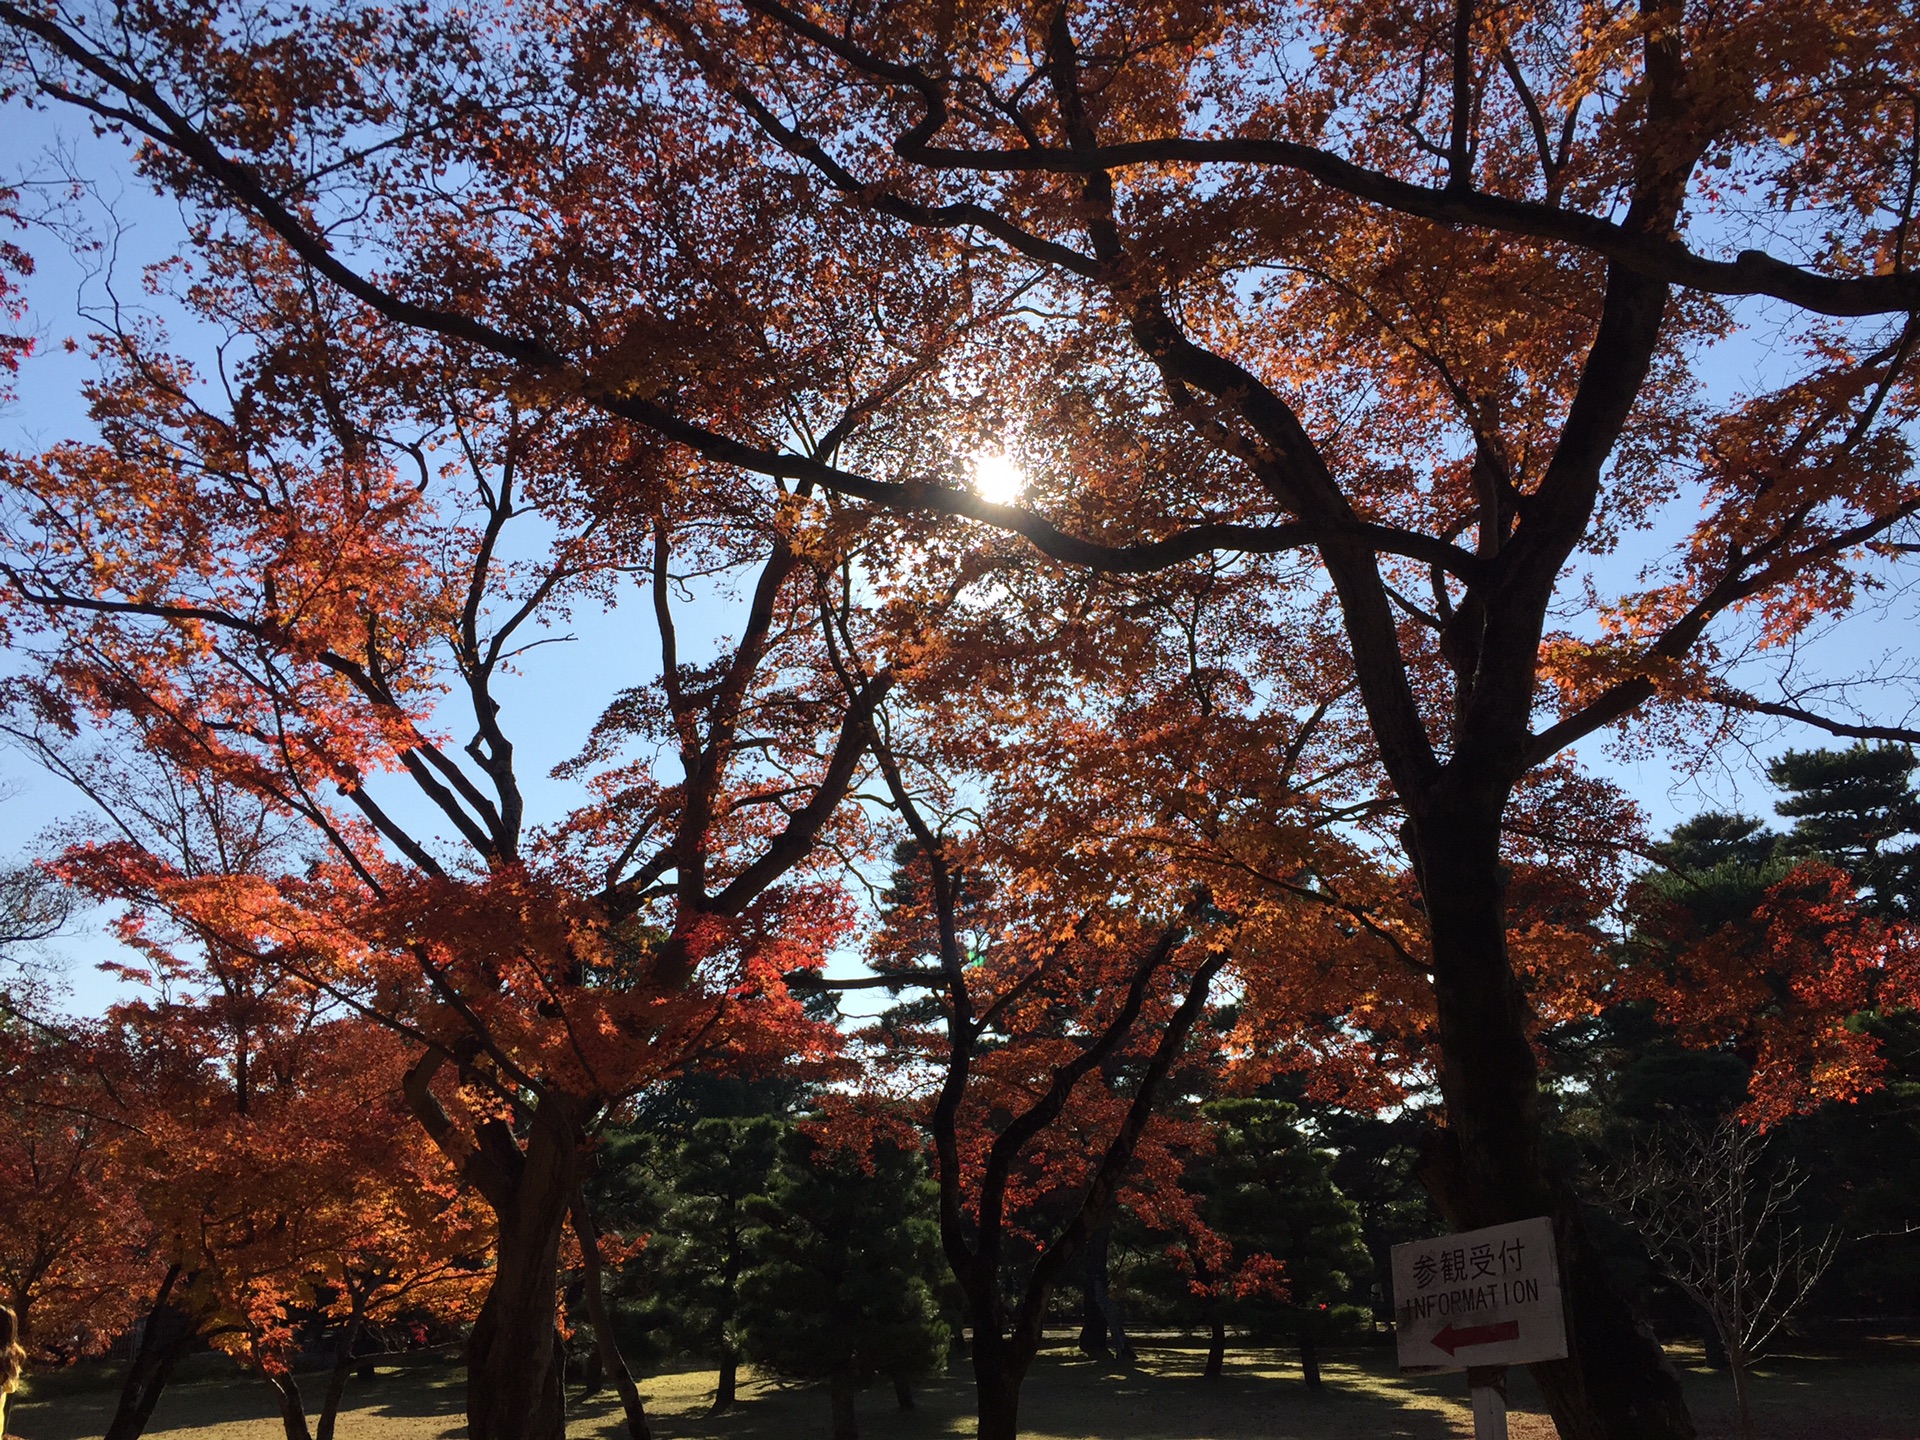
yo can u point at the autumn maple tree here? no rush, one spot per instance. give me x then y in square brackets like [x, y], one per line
[266, 602]
[225, 1161]
[1032, 1141]
[1402, 312]
[254, 1166]
[1070, 889]
[283, 1178]
[75, 1257]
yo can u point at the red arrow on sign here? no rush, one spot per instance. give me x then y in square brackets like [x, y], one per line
[1450, 1339]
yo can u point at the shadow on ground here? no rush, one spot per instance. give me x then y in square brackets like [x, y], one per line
[1870, 1393]
[1070, 1398]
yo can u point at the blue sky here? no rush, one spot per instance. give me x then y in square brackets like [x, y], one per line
[551, 705]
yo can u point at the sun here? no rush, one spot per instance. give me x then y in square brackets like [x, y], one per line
[997, 477]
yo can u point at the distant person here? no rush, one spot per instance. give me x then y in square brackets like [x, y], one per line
[13, 1360]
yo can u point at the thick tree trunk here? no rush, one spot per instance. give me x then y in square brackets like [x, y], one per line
[515, 1388]
[163, 1340]
[337, 1381]
[840, 1392]
[1489, 1166]
[1000, 1366]
[1216, 1344]
[147, 1375]
[727, 1389]
[997, 1398]
[606, 1347]
[1001, 1360]
[1110, 1326]
[293, 1413]
[903, 1392]
[1310, 1362]
[1093, 1322]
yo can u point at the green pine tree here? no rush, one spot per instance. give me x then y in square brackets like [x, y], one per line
[700, 1250]
[1715, 838]
[1625, 1071]
[1850, 807]
[1375, 1166]
[1626, 1066]
[846, 1258]
[1269, 1191]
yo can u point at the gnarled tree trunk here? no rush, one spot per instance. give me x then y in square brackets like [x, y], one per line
[165, 1337]
[337, 1380]
[516, 1376]
[1489, 1166]
[515, 1387]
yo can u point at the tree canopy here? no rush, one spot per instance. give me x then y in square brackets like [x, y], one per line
[1195, 471]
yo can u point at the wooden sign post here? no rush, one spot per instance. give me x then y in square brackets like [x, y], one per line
[1480, 1301]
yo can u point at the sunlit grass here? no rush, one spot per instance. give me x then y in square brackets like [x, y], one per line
[1875, 1396]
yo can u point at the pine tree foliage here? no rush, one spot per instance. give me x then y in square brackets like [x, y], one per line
[1850, 807]
[718, 1171]
[1269, 1192]
[845, 1258]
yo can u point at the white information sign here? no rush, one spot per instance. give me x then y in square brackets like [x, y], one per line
[1485, 1297]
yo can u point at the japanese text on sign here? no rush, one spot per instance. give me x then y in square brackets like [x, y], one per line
[1486, 1297]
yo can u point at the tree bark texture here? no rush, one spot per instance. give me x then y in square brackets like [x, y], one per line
[515, 1387]
[840, 1390]
[1216, 1343]
[903, 1392]
[607, 1347]
[164, 1339]
[1310, 1362]
[293, 1411]
[726, 1389]
[337, 1381]
[996, 1397]
[1489, 1166]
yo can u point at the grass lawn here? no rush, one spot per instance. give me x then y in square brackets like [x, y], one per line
[1871, 1395]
